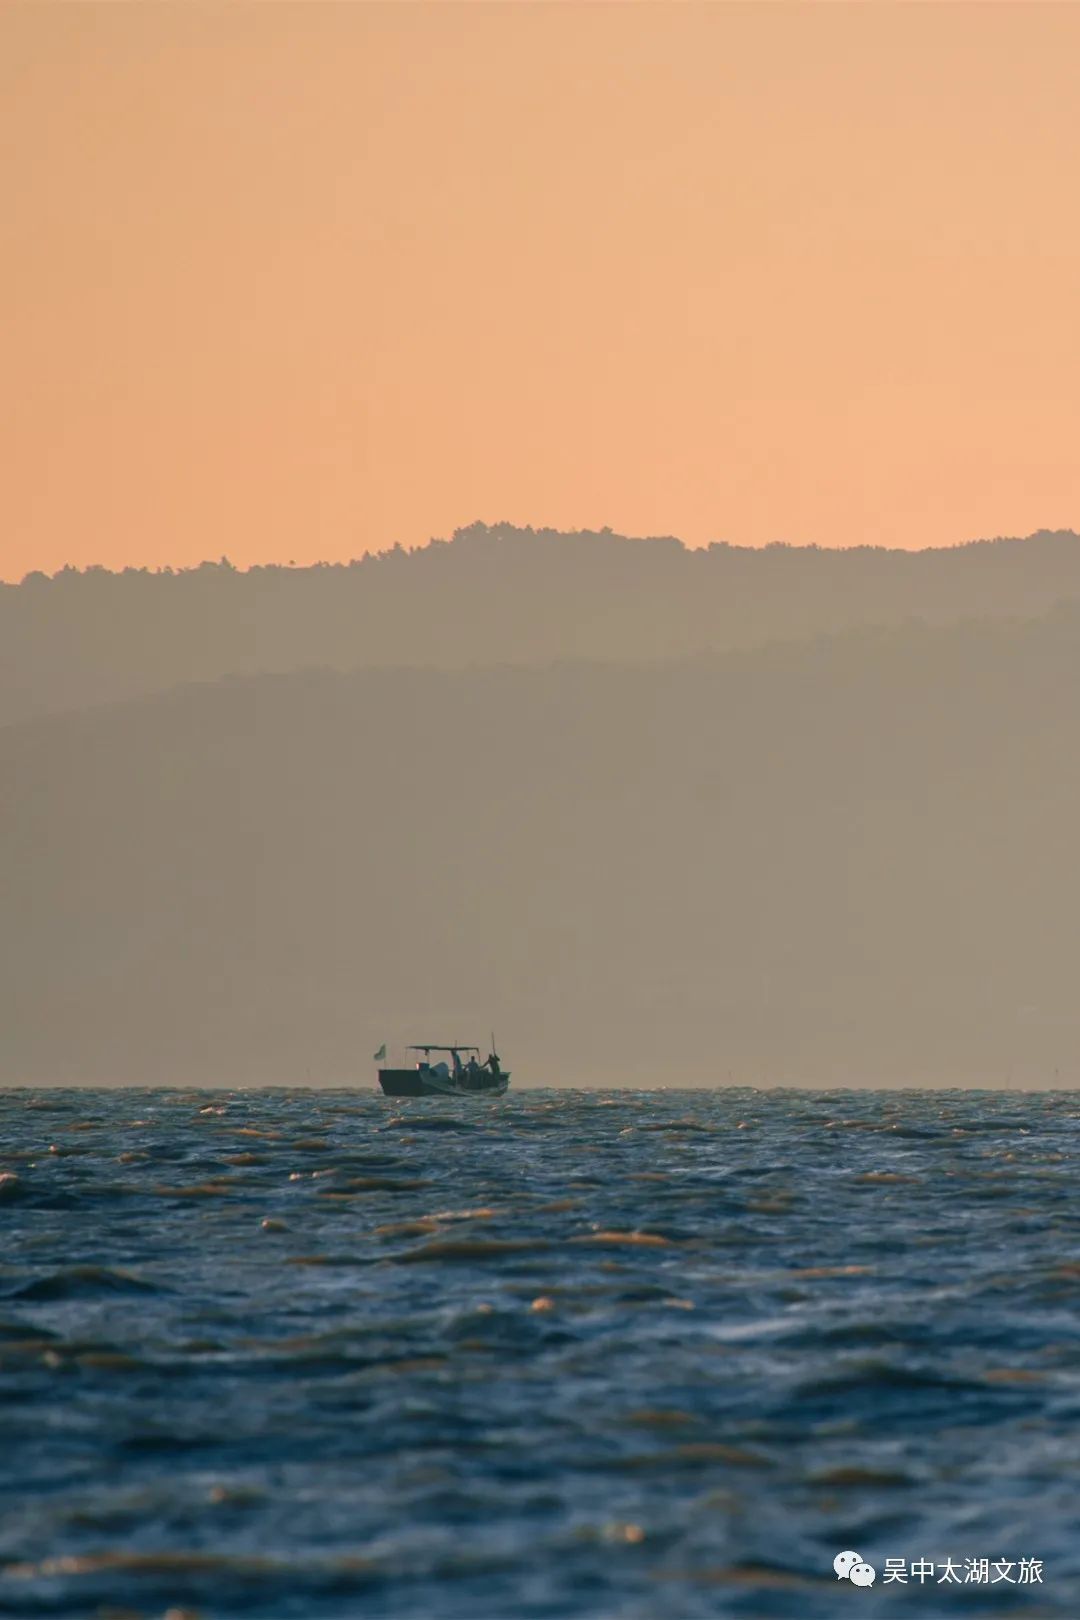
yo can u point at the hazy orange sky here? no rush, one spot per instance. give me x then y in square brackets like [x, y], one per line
[298, 280]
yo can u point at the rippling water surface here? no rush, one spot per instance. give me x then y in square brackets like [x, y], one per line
[595, 1355]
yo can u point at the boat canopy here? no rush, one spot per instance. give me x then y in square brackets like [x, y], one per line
[433, 1048]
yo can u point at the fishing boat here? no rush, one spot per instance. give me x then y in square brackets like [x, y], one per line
[462, 1076]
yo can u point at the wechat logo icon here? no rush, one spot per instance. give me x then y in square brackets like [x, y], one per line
[850, 1566]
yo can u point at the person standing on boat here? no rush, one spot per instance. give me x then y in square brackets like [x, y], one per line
[493, 1062]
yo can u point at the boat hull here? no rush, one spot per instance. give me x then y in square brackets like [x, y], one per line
[416, 1083]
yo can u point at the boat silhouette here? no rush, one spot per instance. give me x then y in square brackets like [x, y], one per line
[463, 1076]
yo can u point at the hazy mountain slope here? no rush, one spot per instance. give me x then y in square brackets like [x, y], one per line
[490, 596]
[853, 860]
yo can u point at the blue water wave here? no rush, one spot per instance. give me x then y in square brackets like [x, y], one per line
[615, 1355]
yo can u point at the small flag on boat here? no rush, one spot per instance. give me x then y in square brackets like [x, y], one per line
[380, 1054]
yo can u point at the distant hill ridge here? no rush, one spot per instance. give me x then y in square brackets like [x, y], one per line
[846, 860]
[493, 594]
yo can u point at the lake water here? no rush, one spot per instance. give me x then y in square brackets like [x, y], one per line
[651, 1355]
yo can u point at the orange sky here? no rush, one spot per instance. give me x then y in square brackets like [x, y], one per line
[292, 281]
